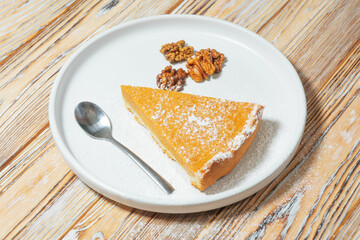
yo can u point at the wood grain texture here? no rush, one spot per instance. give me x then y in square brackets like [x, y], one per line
[316, 197]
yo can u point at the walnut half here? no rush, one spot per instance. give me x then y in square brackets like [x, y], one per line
[176, 52]
[171, 79]
[206, 62]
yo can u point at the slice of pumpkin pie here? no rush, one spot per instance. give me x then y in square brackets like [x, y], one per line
[206, 136]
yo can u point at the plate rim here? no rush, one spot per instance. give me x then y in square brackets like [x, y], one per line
[132, 200]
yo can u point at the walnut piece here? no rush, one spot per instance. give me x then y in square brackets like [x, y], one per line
[171, 79]
[176, 52]
[206, 62]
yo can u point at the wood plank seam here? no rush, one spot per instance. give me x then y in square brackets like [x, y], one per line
[338, 219]
[223, 214]
[50, 202]
[330, 180]
[110, 5]
[205, 7]
[134, 217]
[3, 155]
[352, 211]
[330, 105]
[234, 210]
[57, 59]
[348, 215]
[354, 159]
[104, 10]
[330, 16]
[43, 95]
[123, 222]
[336, 78]
[25, 155]
[352, 56]
[46, 150]
[312, 150]
[42, 32]
[55, 23]
[307, 24]
[174, 7]
[276, 14]
[27, 27]
[212, 218]
[47, 145]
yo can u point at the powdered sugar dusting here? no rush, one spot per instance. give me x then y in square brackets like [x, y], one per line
[219, 157]
[235, 144]
[251, 160]
[203, 130]
[199, 121]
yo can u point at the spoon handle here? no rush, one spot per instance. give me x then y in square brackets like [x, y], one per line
[161, 182]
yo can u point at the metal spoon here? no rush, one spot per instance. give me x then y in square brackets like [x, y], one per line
[96, 123]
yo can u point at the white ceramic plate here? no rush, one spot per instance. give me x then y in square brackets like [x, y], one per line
[129, 54]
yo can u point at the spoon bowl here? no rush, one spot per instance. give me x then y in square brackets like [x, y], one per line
[94, 121]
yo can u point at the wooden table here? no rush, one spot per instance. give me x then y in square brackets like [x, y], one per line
[316, 197]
